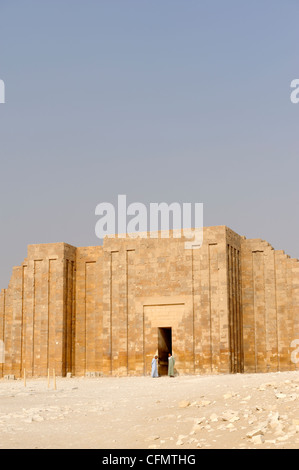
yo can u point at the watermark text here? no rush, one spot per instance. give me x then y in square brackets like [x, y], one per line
[2, 352]
[295, 92]
[137, 220]
[2, 92]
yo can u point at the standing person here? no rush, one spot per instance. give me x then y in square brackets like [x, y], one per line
[171, 362]
[155, 367]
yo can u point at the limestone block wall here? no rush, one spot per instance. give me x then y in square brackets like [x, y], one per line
[232, 306]
[270, 305]
[151, 283]
[210, 299]
[88, 315]
[36, 312]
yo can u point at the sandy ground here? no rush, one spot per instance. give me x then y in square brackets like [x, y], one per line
[186, 412]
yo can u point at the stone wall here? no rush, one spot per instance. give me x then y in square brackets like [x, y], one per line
[232, 306]
[270, 305]
[88, 316]
[150, 283]
[36, 312]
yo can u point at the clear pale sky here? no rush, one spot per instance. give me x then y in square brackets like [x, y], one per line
[161, 100]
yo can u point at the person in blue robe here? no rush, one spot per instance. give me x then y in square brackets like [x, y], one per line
[155, 367]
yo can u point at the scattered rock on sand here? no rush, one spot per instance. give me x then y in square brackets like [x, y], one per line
[213, 418]
[184, 404]
[259, 439]
[283, 438]
[280, 395]
[273, 420]
[153, 438]
[255, 432]
[204, 403]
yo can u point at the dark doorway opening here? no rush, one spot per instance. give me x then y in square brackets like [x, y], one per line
[164, 348]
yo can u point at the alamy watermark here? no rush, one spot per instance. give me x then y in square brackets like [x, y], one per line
[295, 353]
[2, 352]
[295, 93]
[2, 92]
[136, 220]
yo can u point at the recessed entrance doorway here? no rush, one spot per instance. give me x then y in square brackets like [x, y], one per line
[164, 348]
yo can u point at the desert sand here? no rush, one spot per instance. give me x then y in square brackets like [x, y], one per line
[186, 412]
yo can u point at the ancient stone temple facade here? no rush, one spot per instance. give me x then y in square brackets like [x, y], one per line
[230, 306]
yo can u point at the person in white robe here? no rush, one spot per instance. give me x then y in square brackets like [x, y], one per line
[155, 367]
[171, 362]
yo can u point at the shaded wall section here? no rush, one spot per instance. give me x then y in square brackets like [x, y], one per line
[270, 304]
[235, 317]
